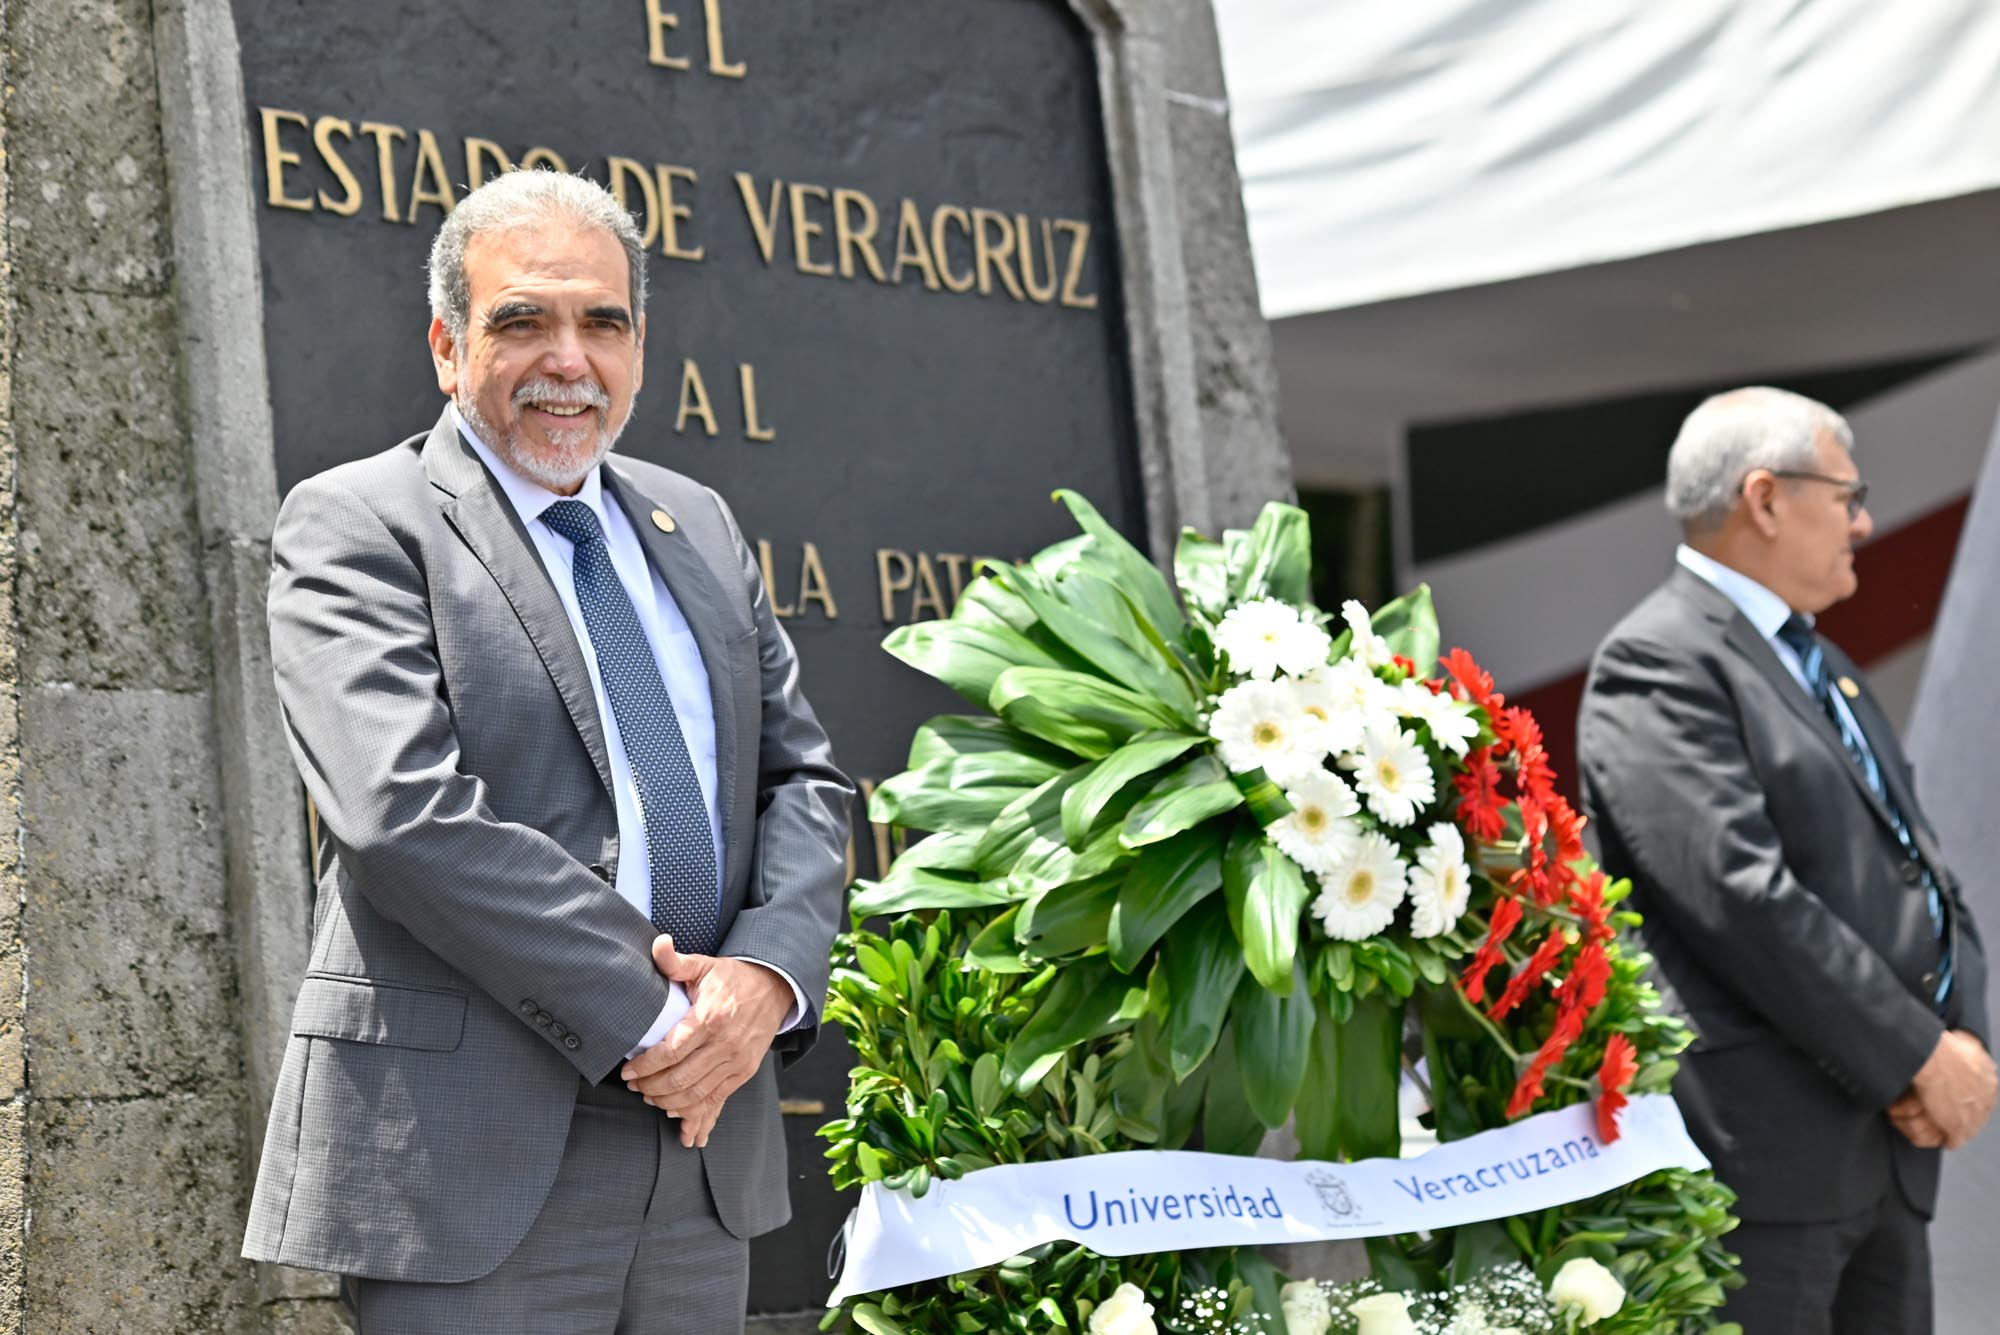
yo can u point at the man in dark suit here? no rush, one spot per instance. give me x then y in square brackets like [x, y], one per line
[1799, 911]
[549, 721]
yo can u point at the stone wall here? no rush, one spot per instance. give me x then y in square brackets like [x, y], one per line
[125, 1138]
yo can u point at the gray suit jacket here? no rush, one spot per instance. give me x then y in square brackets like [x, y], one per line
[1785, 919]
[470, 957]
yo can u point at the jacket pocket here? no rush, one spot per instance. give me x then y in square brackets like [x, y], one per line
[360, 1011]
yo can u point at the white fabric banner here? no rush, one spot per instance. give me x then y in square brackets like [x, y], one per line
[1387, 150]
[1145, 1201]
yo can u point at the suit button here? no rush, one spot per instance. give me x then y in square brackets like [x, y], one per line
[1913, 872]
[558, 1030]
[571, 1043]
[544, 1019]
[601, 872]
[1930, 981]
[529, 1008]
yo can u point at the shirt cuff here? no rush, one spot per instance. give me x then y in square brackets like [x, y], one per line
[670, 1015]
[797, 1014]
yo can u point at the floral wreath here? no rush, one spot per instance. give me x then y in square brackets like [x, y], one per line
[1205, 853]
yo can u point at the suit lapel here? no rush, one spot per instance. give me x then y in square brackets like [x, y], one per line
[695, 586]
[1743, 637]
[1888, 749]
[479, 512]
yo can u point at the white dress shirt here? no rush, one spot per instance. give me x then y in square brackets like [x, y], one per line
[1766, 612]
[681, 669]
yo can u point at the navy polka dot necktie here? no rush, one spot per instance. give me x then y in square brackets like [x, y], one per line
[1812, 658]
[680, 844]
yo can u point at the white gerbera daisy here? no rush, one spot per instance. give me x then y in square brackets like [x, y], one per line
[1391, 772]
[1332, 720]
[1356, 690]
[1365, 645]
[1264, 637]
[1317, 831]
[1440, 883]
[1358, 898]
[1257, 725]
[1450, 721]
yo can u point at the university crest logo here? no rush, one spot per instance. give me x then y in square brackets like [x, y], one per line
[1334, 1197]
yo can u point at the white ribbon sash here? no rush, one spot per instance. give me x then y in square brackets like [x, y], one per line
[1145, 1201]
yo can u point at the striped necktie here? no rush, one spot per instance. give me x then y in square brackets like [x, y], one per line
[1819, 679]
[680, 845]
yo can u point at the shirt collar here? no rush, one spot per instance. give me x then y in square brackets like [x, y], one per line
[530, 498]
[1764, 610]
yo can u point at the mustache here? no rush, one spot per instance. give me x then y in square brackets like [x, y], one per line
[562, 394]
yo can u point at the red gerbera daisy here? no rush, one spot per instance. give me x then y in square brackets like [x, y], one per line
[1614, 1077]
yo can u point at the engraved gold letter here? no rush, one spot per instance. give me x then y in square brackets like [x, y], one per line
[694, 399]
[778, 609]
[429, 162]
[1043, 293]
[718, 63]
[890, 585]
[385, 163]
[993, 245]
[1074, 274]
[753, 429]
[276, 159]
[672, 215]
[478, 152]
[941, 255]
[658, 24]
[813, 587]
[323, 131]
[623, 170]
[805, 229]
[911, 248]
[849, 238]
[763, 221]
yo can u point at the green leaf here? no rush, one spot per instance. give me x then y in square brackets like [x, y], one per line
[1275, 559]
[1129, 568]
[1035, 815]
[1368, 1076]
[987, 1089]
[1228, 1126]
[1093, 619]
[1201, 570]
[1067, 919]
[1395, 1270]
[1273, 1035]
[902, 890]
[940, 796]
[1410, 625]
[1199, 790]
[1142, 755]
[994, 950]
[966, 656]
[1078, 712]
[1267, 801]
[1317, 1120]
[1477, 1248]
[1266, 892]
[1167, 880]
[1202, 965]
[1048, 863]
[872, 1319]
[1088, 997]
[948, 736]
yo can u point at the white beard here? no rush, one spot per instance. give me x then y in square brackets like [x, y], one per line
[576, 450]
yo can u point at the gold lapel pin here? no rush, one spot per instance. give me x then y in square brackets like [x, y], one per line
[1848, 688]
[663, 521]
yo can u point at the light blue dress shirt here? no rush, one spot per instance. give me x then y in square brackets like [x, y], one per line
[1766, 612]
[681, 668]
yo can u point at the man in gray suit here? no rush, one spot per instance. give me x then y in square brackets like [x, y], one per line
[582, 839]
[1797, 906]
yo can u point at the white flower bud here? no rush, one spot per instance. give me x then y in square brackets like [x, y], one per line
[1125, 1312]
[1588, 1289]
[1382, 1314]
[1306, 1309]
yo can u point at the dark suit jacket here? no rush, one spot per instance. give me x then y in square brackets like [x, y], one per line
[1786, 921]
[471, 959]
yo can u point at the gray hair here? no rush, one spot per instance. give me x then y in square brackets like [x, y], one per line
[1735, 433]
[519, 199]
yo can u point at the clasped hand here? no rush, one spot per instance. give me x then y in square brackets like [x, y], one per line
[735, 1010]
[1951, 1097]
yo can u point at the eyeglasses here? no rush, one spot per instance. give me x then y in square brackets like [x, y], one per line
[1857, 490]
